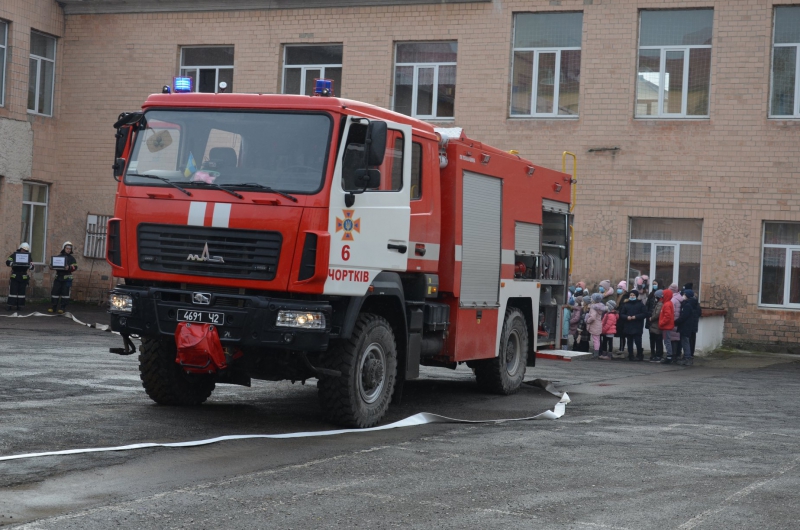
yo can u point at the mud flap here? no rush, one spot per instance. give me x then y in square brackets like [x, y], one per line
[199, 348]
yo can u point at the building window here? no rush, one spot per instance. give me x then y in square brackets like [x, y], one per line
[41, 76]
[95, 244]
[674, 79]
[780, 265]
[3, 48]
[425, 79]
[666, 249]
[303, 64]
[546, 71]
[786, 63]
[208, 67]
[34, 219]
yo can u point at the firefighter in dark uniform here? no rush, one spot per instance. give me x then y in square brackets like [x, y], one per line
[63, 282]
[18, 283]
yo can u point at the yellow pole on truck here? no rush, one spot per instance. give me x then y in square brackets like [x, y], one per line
[573, 191]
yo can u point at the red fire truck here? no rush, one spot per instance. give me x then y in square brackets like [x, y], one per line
[280, 237]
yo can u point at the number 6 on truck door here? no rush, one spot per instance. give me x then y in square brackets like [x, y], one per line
[369, 214]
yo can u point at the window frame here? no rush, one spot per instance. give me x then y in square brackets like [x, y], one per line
[415, 78]
[28, 237]
[787, 286]
[39, 60]
[796, 46]
[4, 52]
[216, 68]
[686, 49]
[535, 78]
[304, 67]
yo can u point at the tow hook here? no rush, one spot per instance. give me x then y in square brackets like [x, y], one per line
[316, 370]
[129, 349]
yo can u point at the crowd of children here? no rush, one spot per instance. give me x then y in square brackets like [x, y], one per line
[671, 316]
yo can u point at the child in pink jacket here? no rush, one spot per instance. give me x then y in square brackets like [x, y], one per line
[609, 330]
[594, 322]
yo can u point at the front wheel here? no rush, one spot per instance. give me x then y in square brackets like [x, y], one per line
[504, 373]
[368, 363]
[164, 381]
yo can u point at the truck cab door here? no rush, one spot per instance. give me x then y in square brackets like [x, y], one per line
[372, 235]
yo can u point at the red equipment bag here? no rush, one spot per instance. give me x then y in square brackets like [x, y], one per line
[199, 348]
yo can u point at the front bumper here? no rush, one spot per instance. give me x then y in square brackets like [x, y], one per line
[249, 320]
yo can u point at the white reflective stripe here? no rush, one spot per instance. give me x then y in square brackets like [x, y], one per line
[507, 257]
[222, 215]
[458, 252]
[197, 214]
[431, 251]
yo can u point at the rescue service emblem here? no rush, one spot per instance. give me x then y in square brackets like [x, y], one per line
[348, 225]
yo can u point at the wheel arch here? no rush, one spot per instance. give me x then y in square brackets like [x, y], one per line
[384, 298]
[525, 305]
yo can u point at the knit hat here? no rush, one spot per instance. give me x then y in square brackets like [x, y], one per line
[578, 300]
[597, 298]
[606, 284]
[688, 293]
[611, 305]
[689, 285]
[659, 293]
[622, 285]
[572, 288]
[582, 285]
[674, 288]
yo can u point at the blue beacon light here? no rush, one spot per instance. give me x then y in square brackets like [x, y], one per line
[323, 87]
[182, 84]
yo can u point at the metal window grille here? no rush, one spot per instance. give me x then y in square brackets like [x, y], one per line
[95, 246]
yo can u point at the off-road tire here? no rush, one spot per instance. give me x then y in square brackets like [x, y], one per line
[343, 399]
[504, 373]
[163, 379]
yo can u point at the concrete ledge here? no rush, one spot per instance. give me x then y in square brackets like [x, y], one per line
[563, 355]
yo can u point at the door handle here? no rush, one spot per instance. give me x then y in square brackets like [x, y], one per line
[399, 248]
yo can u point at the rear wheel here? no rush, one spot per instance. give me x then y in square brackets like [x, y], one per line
[163, 379]
[504, 373]
[368, 363]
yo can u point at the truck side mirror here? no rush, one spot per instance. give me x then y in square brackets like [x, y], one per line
[118, 167]
[368, 178]
[376, 141]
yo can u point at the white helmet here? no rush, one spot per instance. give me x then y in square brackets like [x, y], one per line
[67, 244]
[25, 246]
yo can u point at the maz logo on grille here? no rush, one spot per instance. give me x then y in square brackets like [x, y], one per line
[205, 257]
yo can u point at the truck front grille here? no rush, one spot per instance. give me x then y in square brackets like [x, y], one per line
[206, 251]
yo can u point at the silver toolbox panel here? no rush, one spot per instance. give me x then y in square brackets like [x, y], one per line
[527, 238]
[481, 233]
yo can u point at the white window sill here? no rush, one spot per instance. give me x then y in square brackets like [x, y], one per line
[784, 117]
[672, 118]
[523, 117]
[32, 113]
[779, 307]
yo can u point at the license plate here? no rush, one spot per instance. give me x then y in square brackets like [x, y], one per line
[205, 317]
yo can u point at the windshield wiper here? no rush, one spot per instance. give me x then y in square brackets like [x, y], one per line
[265, 188]
[162, 179]
[216, 186]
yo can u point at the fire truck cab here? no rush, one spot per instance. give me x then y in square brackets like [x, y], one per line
[282, 237]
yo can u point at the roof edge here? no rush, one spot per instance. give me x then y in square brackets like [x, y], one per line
[98, 7]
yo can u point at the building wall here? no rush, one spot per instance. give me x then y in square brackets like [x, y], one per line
[27, 142]
[734, 170]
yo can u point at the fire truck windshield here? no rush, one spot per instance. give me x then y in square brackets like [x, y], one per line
[284, 151]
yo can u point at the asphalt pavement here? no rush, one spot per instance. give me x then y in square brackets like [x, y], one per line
[641, 446]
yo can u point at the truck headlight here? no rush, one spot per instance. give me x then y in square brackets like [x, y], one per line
[121, 302]
[300, 319]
